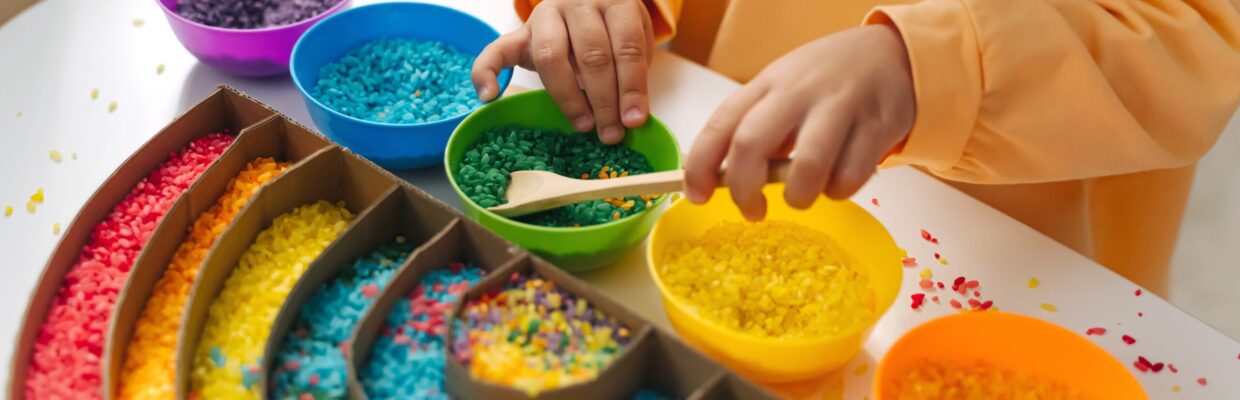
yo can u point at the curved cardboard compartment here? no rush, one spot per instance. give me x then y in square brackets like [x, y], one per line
[224, 110]
[404, 213]
[728, 386]
[462, 242]
[330, 175]
[619, 379]
[274, 137]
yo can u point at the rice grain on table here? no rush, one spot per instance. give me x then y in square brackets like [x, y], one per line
[66, 360]
[150, 360]
[311, 361]
[227, 360]
[485, 170]
[399, 81]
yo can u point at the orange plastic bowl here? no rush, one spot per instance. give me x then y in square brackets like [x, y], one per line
[1012, 342]
[779, 360]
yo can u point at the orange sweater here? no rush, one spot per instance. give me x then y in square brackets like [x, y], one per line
[1083, 119]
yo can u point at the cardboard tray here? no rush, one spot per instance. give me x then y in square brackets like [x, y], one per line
[330, 175]
[384, 206]
[403, 213]
[274, 137]
[461, 242]
[224, 110]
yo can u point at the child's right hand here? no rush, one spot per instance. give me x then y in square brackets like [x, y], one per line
[605, 45]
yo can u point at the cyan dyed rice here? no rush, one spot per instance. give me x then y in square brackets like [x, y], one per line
[399, 81]
[651, 394]
[311, 362]
[484, 171]
[407, 360]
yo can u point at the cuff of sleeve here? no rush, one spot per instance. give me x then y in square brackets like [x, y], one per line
[662, 16]
[524, 8]
[946, 65]
[663, 19]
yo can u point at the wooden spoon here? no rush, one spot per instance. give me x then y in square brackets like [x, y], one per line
[533, 191]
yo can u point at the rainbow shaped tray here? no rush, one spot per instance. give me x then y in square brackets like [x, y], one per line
[385, 206]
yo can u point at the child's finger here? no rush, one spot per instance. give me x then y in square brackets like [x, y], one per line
[857, 161]
[759, 135]
[504, 52]
[592, 49]
[711, 145]
[549, 52]
[629, 46]
[818, 147]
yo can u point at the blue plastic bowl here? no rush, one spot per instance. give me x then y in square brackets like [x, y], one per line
[392, 146]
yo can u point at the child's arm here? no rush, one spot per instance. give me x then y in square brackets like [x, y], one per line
[1031, 90]
[1006, 91]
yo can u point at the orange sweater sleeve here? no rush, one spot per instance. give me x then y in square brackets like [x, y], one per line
[1020, 91]
[663, 13]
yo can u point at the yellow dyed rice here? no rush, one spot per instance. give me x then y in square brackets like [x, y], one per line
[773, 279]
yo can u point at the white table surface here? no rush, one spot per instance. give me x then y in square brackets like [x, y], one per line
[56, 52]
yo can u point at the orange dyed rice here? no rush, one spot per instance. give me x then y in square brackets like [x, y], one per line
[936, 381]
[149, 369]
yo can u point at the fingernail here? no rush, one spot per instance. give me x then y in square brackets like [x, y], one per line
[633, 115]
[611, 134]
[484, 91]
[695, 196]
[583, 123]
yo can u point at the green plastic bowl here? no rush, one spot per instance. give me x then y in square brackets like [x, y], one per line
[573, 249]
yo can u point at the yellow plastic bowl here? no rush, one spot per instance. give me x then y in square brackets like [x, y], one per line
[1012, 342]
[765, 359]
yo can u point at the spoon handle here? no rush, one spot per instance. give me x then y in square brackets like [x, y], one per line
[776, 171]
[665, 182]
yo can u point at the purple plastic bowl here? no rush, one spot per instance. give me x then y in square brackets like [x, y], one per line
[244, 52]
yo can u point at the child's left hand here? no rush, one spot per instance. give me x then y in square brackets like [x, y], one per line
[844, 101]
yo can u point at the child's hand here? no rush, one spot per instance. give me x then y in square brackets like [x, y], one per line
[606, 44]
[843, 100]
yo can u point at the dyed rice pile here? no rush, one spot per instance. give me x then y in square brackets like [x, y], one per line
[484, 171]
[150, 359]
[534, 336]
[251, 14]
[226, 362]
[311, 362]
[934, 381]
[65, 363]
[399, 81]
[772, 279]
[650, 394]
[407, 360]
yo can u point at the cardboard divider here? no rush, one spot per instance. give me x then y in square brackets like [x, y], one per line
[729, 386]
[274, 137]
[619, 380]
[671, 367]
[224, 110]
[402, 213]
[329, 175]
[460, 242]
